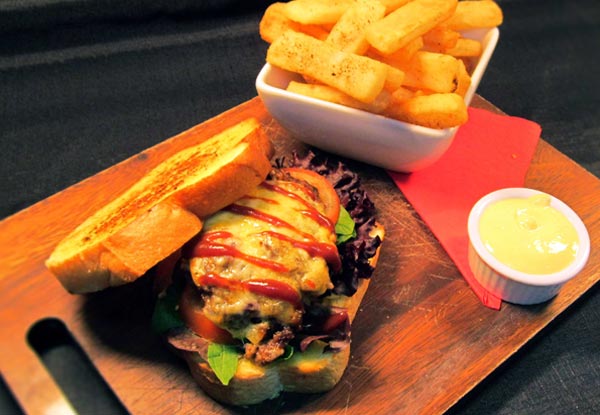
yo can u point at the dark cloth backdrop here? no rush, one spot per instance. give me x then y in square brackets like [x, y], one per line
[86, 84]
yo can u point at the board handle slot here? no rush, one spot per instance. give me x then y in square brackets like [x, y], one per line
[8, 402]
[72, 369]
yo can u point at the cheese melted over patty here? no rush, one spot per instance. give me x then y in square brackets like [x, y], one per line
[261, 258]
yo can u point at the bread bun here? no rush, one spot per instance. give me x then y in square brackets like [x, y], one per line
[312, 371]
[162, 211]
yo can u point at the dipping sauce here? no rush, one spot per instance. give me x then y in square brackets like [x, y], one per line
[529, 235]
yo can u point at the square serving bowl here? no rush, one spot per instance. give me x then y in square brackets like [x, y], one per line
[357, 134]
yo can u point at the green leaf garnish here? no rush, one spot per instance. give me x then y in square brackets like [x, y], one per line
[345, 227]
[223, 360]
[288, 352]
[165, 315]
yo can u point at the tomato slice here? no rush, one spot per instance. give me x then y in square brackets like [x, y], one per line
[192, 315]
[335, 319]
[326, 191]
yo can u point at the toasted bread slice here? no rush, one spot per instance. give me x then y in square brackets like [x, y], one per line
[163, 210]
[312, 371]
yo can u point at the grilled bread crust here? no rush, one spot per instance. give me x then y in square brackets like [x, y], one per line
[162, 211]
[304, 372]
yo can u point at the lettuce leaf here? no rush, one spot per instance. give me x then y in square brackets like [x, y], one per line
[223, 360]
[345, 227]
[165, 315]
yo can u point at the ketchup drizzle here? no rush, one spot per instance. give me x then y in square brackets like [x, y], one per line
[209, 246]
[212, 249]
[314, 248]
[264, 199]
[266, 287]
[311, 212]
[318, 217]
[265, 217]
[285, 192]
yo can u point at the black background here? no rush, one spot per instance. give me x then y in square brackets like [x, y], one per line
[84, 85]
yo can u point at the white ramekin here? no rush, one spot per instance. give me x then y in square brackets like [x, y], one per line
[515, 286]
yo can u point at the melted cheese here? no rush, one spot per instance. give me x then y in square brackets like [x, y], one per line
[255, 237]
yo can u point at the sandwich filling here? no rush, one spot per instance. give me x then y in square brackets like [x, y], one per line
[266, 275]
[260, 260]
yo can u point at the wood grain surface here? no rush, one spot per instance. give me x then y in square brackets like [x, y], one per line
[421, 339]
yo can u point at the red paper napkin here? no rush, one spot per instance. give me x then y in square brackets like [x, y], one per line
[489, 152]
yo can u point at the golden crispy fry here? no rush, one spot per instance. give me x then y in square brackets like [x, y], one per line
[316, 11]
[473, 14]
[327, 93]
[316, 31]
[463, 79]
[358, 76]
[431, 71]
[416, 65]
[433, 111]
[274, 22]
[402, 56]
[402, 94]
[465, 48]
[391, 5]
[440, 38]
[407, 23]
[395, 78]
[348, 34]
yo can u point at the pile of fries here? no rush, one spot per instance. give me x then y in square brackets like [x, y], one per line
[404, 59]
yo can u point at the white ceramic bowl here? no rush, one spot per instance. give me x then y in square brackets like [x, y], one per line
[511, 285]
[357, 134]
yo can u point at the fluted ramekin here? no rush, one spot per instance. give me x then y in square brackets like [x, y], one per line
[512, 285]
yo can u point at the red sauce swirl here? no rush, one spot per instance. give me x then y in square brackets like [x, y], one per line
[211, 244]
[265, 217]
[314, 248]
[310, 211]
[212, 249]
[265, 287]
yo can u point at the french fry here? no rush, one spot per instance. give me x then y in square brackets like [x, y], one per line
[391, 5]
[330, 94]
[431, 71]
[358, 76]
[434, 110]
[463, 79]
[402, 56]
[402, 94]
[394, 79]
[348, 34]
[474, 14]
[408, 22]
[275, 22]
[316, 11]
[316, 31]
[440, 38]
[465, 48]
[395, 76]
[405, 59]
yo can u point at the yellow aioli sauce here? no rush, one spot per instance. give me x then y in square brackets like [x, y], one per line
[529, 235]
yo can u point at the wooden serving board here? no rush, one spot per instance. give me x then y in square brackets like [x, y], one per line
[421, 339]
